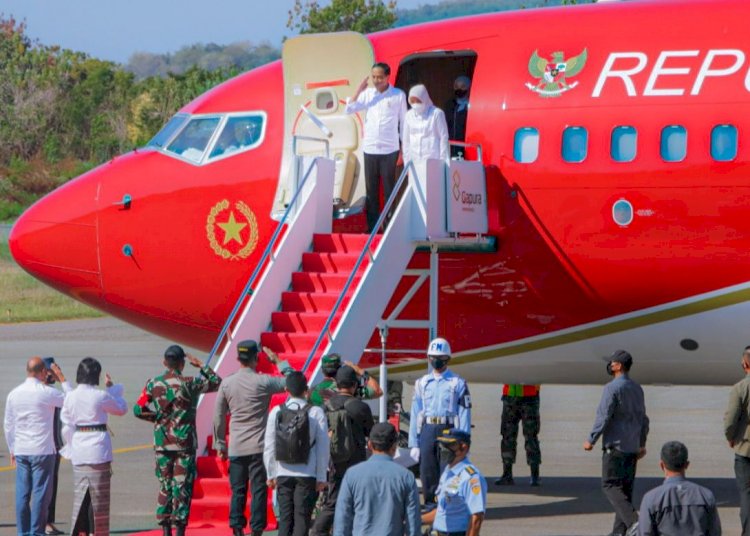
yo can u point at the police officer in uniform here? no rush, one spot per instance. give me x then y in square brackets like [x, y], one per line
[441, 400]
[462, 493]
[520, 404]
[170, 401]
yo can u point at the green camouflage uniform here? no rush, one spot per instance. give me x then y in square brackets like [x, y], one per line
[327, 388]
[169, 401]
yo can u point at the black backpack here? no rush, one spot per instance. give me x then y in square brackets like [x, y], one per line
[341, 432]
[293, 434]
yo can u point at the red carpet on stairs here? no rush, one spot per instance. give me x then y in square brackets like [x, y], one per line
[295, 327]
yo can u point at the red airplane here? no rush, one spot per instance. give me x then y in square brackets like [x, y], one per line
[616, 160]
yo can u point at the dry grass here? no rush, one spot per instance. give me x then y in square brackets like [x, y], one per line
[24, 299]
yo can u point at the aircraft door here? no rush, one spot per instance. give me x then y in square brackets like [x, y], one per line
[321, 71]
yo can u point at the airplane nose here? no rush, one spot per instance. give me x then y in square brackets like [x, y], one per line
[55, 240]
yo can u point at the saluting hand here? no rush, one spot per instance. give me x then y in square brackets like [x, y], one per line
[271, 355]
[108, 380]
[363, 85]
[357, 369]
[197, 363]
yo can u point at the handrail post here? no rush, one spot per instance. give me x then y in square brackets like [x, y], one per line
[383, 373]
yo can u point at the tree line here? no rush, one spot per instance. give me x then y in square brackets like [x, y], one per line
[62, 112]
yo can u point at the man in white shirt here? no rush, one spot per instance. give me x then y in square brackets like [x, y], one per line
[385, 108]
[297, 483]
[29, 431]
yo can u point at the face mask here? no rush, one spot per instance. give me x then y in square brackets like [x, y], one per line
[461, 93]
[419, 107]
[438, 363]
[609, 369]
[447, 456]
[330, 372]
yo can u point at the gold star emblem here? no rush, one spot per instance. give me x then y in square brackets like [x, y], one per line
[232, 229]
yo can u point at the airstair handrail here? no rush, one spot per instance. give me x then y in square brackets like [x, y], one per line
[248, 291]
[310, 138]
[360, 260]
[464, 144]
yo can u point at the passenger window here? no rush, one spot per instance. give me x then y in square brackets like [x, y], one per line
[575, 144]
[724, 143]
[239, 134]
[624, 144]
[192, 141]
[167, 131]
[526, 145]
[673, 143]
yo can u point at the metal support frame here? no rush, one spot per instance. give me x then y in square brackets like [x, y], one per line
[383, 417]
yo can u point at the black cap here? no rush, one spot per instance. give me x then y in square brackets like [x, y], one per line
[619, 356]
[174, 352]
[247, 349]
[452, 436]
[383, 433]
[346, 377]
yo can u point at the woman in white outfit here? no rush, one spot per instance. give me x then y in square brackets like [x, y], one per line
[425, 129]
[88, 446]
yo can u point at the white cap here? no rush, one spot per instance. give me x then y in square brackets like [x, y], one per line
[439, 346]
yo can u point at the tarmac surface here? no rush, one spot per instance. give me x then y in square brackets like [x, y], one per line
[569, 502]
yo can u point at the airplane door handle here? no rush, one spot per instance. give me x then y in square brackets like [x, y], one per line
[125, 203]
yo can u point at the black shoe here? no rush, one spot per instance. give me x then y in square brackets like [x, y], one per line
[166, 529]
[257, 533]
[535, 480]
[238, 531]
[179, 530]
[505, 480]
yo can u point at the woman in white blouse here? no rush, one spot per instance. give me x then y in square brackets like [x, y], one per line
[425, 129]
[88, 446]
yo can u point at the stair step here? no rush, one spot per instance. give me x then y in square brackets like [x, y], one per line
[213, 487]
[329, 262]
[341, 243]
[322, 281]
[309, 302]
[210, 467]
[284, 342]
[297, 322]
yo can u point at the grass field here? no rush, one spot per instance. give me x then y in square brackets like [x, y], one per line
[24, 299]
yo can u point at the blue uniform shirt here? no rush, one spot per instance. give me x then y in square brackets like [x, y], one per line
[445, 395]
[462, 492]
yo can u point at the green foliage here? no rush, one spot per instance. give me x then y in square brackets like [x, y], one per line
[365, 16]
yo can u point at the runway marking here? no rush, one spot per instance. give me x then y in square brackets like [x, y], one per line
[7, 468]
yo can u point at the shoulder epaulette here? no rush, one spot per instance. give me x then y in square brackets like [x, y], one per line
[469, 469]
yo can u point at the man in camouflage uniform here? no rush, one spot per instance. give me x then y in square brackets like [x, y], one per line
[520, 404]
[367, 387]
[169, 401]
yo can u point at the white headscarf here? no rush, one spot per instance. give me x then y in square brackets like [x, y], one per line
[420, 92]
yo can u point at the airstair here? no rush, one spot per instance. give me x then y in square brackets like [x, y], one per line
[313, 291]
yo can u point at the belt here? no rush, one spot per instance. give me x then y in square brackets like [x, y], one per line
[91, 428]
[461, 533]
[436, 420]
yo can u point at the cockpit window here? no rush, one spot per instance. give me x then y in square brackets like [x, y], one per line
[192, 141]
[239, 133]
[166, 133]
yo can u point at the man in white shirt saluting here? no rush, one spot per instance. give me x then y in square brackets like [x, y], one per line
[385, 108]
[29, 431]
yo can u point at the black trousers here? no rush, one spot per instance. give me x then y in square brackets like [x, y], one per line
[53, 500]
[377, 167]
[618, 477]
[430, 467]
[242, 469]
[296, 497]
[324, 521]
[742, 472]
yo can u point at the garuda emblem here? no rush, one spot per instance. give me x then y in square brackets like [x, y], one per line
[553, 74]
[232, 230]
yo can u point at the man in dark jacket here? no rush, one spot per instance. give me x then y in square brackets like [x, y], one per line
[621, 420]
[456, 111]
[678, 506]
[361, 422]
